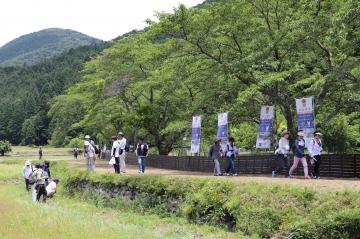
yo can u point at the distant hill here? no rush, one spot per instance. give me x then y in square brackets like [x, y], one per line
[35, 47]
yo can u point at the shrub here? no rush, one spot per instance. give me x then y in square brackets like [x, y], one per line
[5, 147]
[259, 210]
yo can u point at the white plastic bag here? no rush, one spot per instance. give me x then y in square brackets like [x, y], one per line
[112, 161]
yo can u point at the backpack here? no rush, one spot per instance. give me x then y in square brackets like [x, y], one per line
[127, 147]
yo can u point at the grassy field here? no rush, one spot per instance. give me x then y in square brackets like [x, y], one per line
[63, 217]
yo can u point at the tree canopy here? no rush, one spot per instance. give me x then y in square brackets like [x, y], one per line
[234, 56]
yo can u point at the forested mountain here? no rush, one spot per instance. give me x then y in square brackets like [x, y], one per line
[38, 46]
[225, 55]
[27, 91]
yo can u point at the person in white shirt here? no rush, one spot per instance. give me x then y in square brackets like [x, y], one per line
[282, 159]
[115, 154]
[315, 148]
[27, 172]
[122, 153]
[230, 151]
[51, 188]
[89, 152]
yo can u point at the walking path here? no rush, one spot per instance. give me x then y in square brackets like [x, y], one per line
[322, 184]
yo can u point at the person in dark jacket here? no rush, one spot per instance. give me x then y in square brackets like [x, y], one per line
[47, 172]
[299, 155]
[142, 151]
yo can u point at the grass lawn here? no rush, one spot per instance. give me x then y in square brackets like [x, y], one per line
[63, 217]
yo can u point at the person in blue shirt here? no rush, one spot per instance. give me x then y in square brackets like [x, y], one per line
[299, 155]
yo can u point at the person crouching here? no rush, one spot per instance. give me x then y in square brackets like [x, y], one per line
[51, 188]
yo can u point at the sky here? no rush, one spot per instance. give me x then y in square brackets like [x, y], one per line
[103, 19]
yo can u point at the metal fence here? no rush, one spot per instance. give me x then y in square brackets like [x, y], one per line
[332, 165]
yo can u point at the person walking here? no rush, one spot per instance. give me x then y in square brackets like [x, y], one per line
[40, 153]
[27, 173]
[142, 151]
[47, 172]
[299, 155]
[230, 151]
[282, 155]
[40, 184]
[315, 148]
[76, 152]
[215, 154]
[122, 151]
[115, 154]
[89, 153]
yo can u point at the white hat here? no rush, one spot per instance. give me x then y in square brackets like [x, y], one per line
[86, 143]
[301, 133]
[27, 163]
[87, 136]
[121, 133]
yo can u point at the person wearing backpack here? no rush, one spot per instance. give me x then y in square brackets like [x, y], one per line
[122, 151]
[142, 151]
[230, 151]
[89, 152]
[40, 184]
[27, 173]
[115, 153]
[299, 155]
[315, 148]
[47, 172]
[33, 178]
[282, 155]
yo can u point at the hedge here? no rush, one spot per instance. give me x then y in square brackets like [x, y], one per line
[259, 210]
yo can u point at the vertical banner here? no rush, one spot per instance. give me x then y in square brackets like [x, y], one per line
[196, 135]
[222, 131]
[263, 140]
[306, 117]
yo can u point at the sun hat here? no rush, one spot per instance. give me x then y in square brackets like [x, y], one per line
[217, 140]
[301, 133]
[27, 163]
[87, 136]
[285, 132]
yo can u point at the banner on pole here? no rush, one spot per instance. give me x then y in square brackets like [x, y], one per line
[222, 131]
[196, 135]
[306, 117]
[263, 140]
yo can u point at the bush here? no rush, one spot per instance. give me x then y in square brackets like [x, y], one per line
[76, 142]
[258, 210]
[5, 147]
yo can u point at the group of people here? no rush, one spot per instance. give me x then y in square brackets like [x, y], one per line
[118, 153]
[283, 155]
[283, 160]
[39, 181]
[216, 152]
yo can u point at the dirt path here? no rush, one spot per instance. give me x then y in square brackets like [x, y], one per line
[322, 184]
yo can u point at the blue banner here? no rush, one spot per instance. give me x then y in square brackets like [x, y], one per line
[263, 140]
[306, 117]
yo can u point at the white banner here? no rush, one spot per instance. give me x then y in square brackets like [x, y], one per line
[196, 135]
[222, 131]
[306, 117]
[263, 140]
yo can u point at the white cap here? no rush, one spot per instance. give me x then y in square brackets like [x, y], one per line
[87, 136]
[86, 143]
[27, 163]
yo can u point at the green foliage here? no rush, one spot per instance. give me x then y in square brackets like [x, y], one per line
[76, 142]
[341, 136]
[27, 92]
[258, 210]
[225, 56]
[5, 147]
